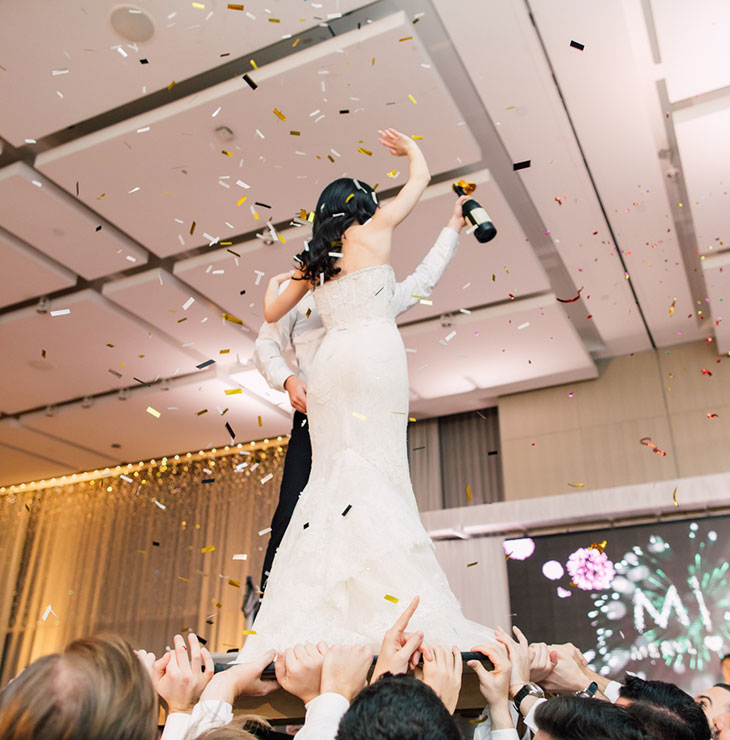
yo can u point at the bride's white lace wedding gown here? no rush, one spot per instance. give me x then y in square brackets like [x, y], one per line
[355, 542]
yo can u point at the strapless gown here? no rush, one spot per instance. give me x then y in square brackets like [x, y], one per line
[355, 543]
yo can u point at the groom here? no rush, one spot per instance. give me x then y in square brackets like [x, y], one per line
[302, 330]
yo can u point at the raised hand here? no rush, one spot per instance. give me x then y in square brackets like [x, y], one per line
[146, 659]
[542, 661]
[345, 670]
[568, 674]
[395, 142]
[299, 670]
[456, 222]
[241, 679]
[180, 680]
[442, 672]
[519, 655]
[399, 648]
[494, 684]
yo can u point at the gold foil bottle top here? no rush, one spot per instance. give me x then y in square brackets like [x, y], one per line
[467, 188]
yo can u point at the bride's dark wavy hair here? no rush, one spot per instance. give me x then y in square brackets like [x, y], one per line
[341, 203]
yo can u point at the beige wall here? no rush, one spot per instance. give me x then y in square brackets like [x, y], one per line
[550, 440]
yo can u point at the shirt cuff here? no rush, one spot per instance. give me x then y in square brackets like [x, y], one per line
[506, 734]
[530, 716]
[612, 691]
[323, 716]
[176, 726]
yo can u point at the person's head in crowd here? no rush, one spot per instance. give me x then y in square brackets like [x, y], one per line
[721, 727]
[95, 688]
[715, 700]
[578, 718]
[664, 710]
[397, 707]
[725, 664]
[251, 729]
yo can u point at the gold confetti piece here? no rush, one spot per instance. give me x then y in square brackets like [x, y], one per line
[200, 413]
[411, 418]
[171, 85]
[187, 580]
[234, 6]
[281, 239]
[309, 312]
[233, 391]
[232, 319]
[153, 412]
[235, 254]
[600, 546]
[415, 136]
[109, 345]
[295, 43]
[674, 497]
[101, 196]
[231, 582]
[364, 151]
[199, 6]
[238, 203]
[261, 423]
[576, 485]
[349, 197]
[209, 548]
[412, 99]
[393, 599]
[405, 38]
[362, 417]
[425, 302]
[295, 133]
[468, 493]
[227, 153]
[274, 20]
[225, 244]
[192, 228]
[179, 321]
[393, 173]
[279, 114]
[223, 351]
[248, 632]
[253, 64]
[469, 565]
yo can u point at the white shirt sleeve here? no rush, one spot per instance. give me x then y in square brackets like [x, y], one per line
[611, 692]
[421, 282]
[206, 715]
[530, 716]
[271, 342]
[323, 717]
[509, 734]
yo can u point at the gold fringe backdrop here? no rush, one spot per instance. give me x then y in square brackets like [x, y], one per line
[104, 554]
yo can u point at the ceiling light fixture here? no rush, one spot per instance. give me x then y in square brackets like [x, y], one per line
[132, 23]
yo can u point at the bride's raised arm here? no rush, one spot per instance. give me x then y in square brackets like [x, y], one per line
[400, 145]
[277, 305]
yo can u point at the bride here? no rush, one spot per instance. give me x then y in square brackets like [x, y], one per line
[355, 545]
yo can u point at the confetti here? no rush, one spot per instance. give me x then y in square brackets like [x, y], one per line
[393, 173]
[115, 373]
[209, 548]
[264, 531]
[248, 632]
[232, 319]
[468, 493]
[577, 485]
[261, 423]
[249, 82]
[570, 300]
[600, 546]
[521, 165]
[48, 611]
[127, 478]
[471, 565]
[647, 441]
[201, 412]
[362, 417]
[523, 326]
[390, 598]
[267, 478]
[230, 431]
[364, 151]
[344, 513]
[236, 584]
[205, 364]
[412, 99]
[61, 312]
[232, 391]
[705, 371]
[306, 525]
[405, 38]
[671, 308]
[171, 85]
[240, 556]
[711, 415]
[279, 114]
[577, 45]
[226, 152]
[158, 504]
[153, 412]
[674, 497]
[188, 303]
[187, 580]
[208, 480]
[234, 6]
[192, 228]
[295, 133]
[199, 6]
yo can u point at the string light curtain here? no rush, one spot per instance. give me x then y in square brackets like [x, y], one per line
[147, 558]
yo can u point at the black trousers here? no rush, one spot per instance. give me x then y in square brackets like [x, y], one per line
[297, 466]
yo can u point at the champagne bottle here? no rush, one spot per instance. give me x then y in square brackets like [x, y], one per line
[474, 214]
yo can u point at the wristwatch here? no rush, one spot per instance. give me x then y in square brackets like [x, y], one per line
[589, 692]
[529, 689]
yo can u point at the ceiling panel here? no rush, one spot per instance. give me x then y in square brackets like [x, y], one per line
[524, 105]
[167, 169]
[693, 45]
[40, 213]
[76, 52]
[184, 315]
[180, 426]
[17, 466]
[716, 269]
[26, 274]
[503, 349]
[705, 150]
[613, 128]
[77, 356]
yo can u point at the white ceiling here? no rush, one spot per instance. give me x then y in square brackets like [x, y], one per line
[96, 213]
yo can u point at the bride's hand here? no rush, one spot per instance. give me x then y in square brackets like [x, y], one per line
[395, 142]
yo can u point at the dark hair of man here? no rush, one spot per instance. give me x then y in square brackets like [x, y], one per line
[725, 657]
[577, 718]
[342, 203]
[725, 686]
[397, 707]
[665, 711]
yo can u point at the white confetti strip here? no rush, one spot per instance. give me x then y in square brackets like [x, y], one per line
[48, 611]
[188, 303]
[450, 336]
[162, 506]
[127, 478]
[240, 556]
[264, 531]
[267, 478]
[523, 326]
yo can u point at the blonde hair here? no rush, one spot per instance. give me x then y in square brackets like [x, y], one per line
[238, 731]
[96, 689]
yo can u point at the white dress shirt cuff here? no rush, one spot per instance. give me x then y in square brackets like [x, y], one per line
[611, 692]
[323, 717]
[206, 715]
[530, 716]
[507, 734]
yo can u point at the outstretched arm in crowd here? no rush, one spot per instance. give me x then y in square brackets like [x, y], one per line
[494, 686]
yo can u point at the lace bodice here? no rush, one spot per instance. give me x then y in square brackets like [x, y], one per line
[362, 297]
